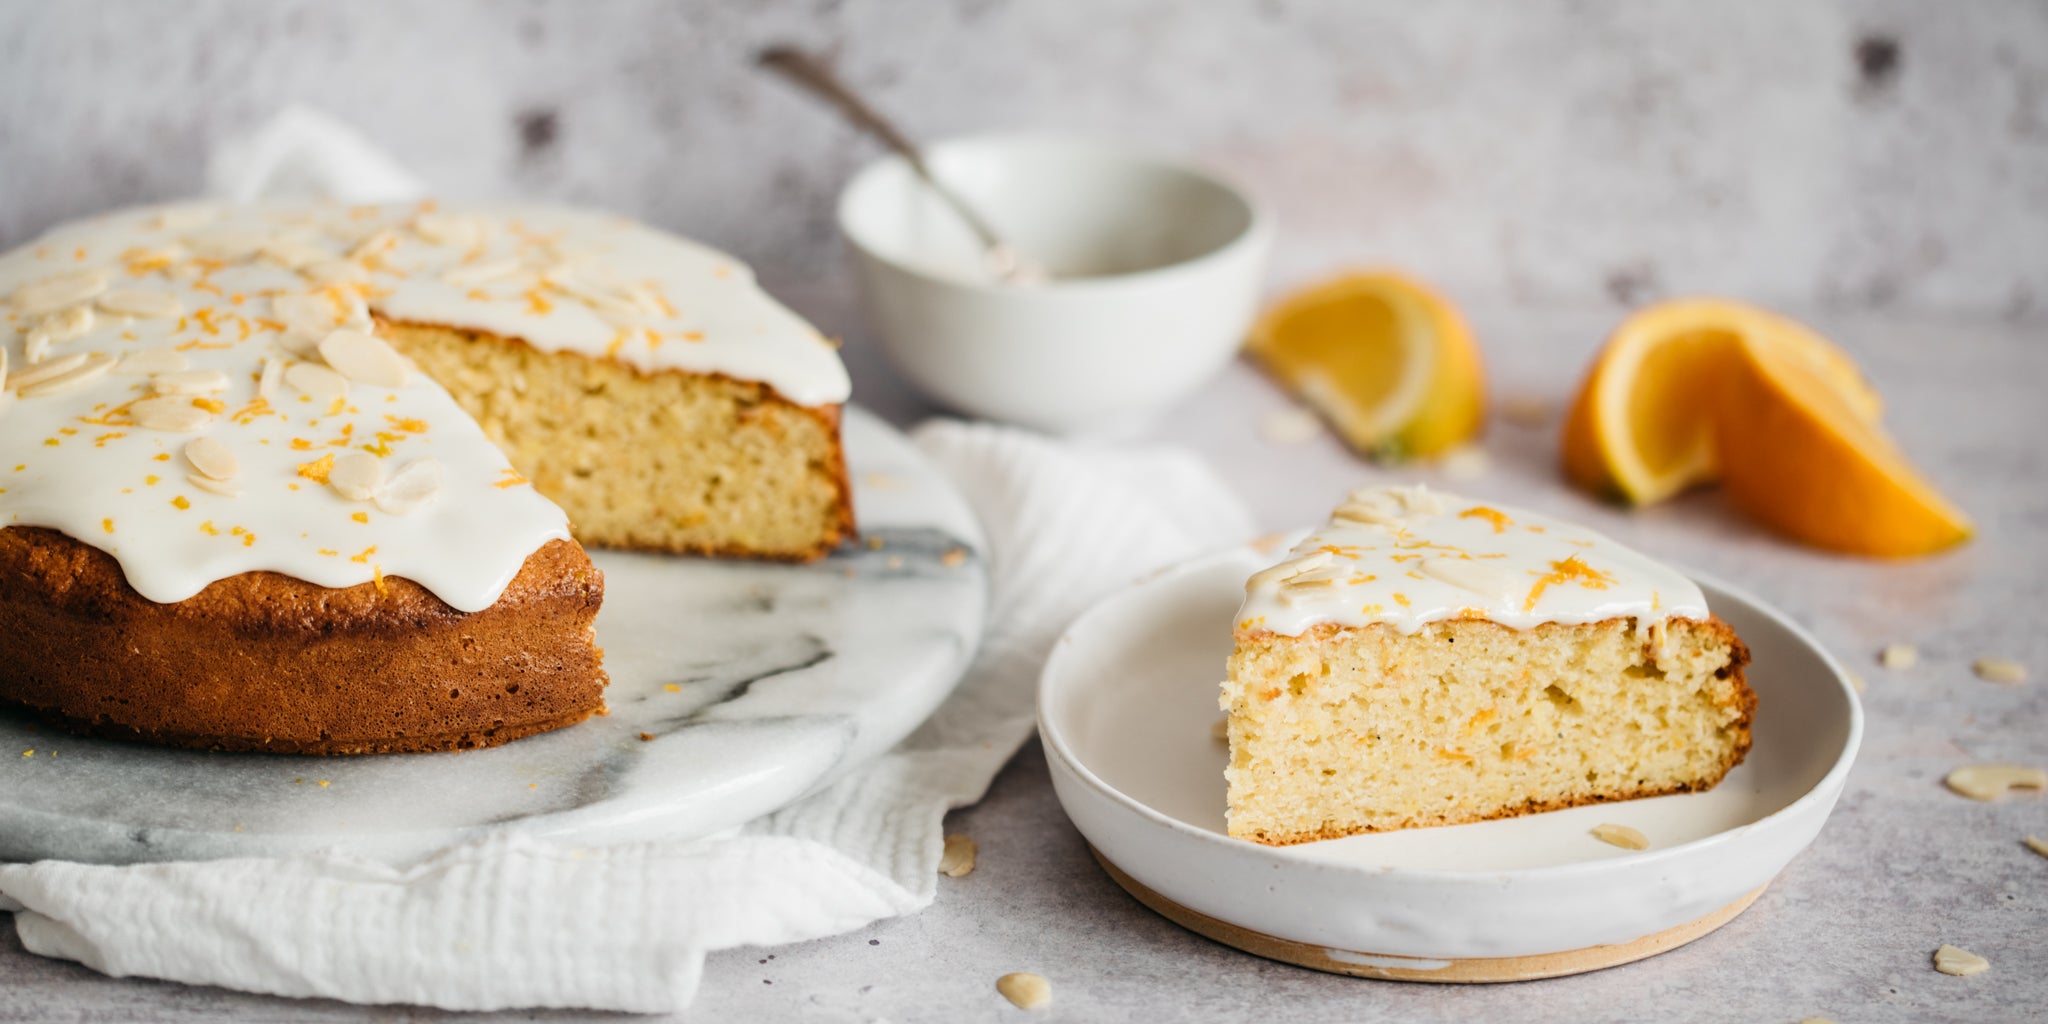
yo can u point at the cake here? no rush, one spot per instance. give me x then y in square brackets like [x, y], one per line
[302, 478]
[1423, 659]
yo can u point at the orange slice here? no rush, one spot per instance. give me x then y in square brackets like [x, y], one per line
[1642, 426]
[1387, 361]
[1800, 456]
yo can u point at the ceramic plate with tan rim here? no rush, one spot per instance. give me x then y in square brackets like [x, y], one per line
[1127, 710]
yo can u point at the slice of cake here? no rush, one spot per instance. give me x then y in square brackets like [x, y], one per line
[311, 478]
[1423, 659]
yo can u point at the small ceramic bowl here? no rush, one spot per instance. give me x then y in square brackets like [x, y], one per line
[1156, 271]
[1126, 707]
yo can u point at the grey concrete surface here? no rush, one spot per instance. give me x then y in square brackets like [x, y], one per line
[1857, 153]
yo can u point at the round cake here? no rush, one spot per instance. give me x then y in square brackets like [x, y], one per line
[303, 478]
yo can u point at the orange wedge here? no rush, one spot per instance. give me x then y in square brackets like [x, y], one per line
[1387, 361]
[1642, 426]
[1800, 456]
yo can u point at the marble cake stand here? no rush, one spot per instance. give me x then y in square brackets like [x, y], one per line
[736, 688]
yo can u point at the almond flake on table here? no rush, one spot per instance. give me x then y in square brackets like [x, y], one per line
[957, 860]
[1898, 656]
[1999, 670]
[1989, 782]
[1959, 962]
[1024, 990]
[2037, 844]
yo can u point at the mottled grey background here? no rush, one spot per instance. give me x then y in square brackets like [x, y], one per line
[1873, 155]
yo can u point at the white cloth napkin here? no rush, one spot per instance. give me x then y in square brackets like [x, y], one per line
[512, 922]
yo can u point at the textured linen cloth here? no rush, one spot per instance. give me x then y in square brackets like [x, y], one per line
[513, 922]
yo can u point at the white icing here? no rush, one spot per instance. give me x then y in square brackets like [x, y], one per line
[562, 280]
[1407, 557]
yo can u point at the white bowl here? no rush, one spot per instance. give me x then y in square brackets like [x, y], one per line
[1157, 270]
[1126, 705]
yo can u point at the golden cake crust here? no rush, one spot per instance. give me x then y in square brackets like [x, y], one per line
[1741, 700]
[265, 662]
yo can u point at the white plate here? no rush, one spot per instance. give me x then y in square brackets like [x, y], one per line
[785, 677]
[1126, 708]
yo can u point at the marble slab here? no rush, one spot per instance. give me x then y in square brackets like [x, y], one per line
[736, 688]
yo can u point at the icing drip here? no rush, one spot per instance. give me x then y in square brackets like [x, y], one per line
[1407, 557]
[323, 456]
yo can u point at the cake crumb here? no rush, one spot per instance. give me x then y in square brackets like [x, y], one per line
[323, 783]
[646, 736]
[1025, 991]
[2037, 844]
[958, 858]
[1292, 425]
[1898, 656]
[1960, 962]
[1989, 782]
[1622, 836]
[954, 558]
[1999, 670]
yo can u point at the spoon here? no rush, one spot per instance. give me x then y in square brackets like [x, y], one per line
[1003, 260]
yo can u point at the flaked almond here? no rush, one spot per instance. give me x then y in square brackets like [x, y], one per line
[305, 313]
[1988, 782]
[1621, 835]
[481, 273]
[58, 291]
[2037, 844]
[212, 459]
[189, 382]
[140, 302]
[171, 414]
[271, 379]
[152, 361]
[229, 244]
[1960, 962]
[316, 381]
[185, 217]
[1999, 670]
[333, 271]
[365, 358]
[291, 252]
[1485, 579]
[958, 857]
[63, 325]
[37, 372]
[451, 230]
[378, 241]
[36, 347]
[1025, 991]
[578, 285]
[415, 486]
[212, 486]
[91, 370]
[1899, 656]
[356, 476]
[1289, 569]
